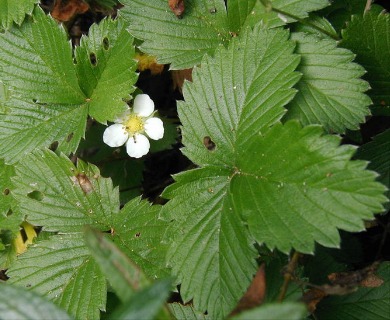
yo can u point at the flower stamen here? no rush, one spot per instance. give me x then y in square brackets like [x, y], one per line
[134, 124]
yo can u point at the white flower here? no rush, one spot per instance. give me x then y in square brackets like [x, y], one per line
[130, 129]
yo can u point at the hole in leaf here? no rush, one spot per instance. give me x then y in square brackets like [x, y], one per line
[138, 234]
[106, 43]
[54, 146]
[208, 143]
[6, 191]
[9, 212]
[36, 195]
[70, 137]
[213, 10]
[84, 183]
[24, 235]
[93, 59]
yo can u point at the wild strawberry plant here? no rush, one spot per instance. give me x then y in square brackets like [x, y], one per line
[280, 95]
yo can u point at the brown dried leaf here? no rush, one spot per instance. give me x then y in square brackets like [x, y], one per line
[65, 10]
[255, 294]
[178, 77]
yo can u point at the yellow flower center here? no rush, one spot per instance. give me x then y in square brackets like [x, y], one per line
[134, 124]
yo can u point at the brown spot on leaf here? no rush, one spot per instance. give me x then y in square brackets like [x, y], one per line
[208, 143]
[177, 7]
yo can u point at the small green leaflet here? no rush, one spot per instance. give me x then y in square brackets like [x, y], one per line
[248, 162]
[205, 25]
[51, 92]
[330, 92]
[106, 69]
[14, 11]
[62, 198]
[369, 37]
[22, 304]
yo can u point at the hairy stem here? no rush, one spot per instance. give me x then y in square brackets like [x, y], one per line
[288, 275]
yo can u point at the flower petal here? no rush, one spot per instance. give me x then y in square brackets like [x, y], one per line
[143, 105]
[115, 135]
[154, 128]
[137, 146]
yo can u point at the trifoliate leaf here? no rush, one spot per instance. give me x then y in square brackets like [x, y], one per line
[365, 303]
[36, 62]
[22, 304]
[240, 91]
[248, 13]
[14, 11]
[369, 38]
[62, 269]
[274, 311]
[330, 92]
[321, 191]
[219, 210]
[106, 69]
[27, 126]
[51, 96]
[378, 153]
[181, 42]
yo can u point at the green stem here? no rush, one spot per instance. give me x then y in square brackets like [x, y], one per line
[268, 6]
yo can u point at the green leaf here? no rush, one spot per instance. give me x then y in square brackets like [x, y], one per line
[146, 303]
[378, 153]
[369, 38]
[275, 311]
[186, 312]
[249, 13]
[366, 303]
[21, 304]
[242, 90]
[321, 188]
[106, 69]
[36, 62]
[211, 250]
[85, 294]
[330, 92]
[204, 27]
[124, 276]
[79, 195]
[51, 95]
[14, 11]
[27, 126]
[62, 270]
[7, 202]
[140, 234]
[62, 198]
[219, 210]
[181, 42]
